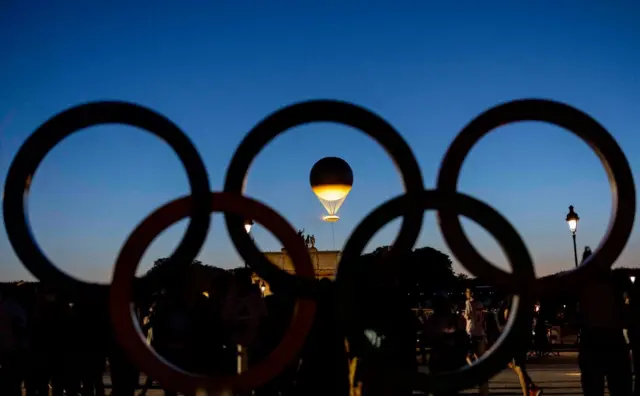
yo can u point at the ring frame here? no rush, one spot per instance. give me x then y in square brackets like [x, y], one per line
[600, 141]
[128, 330]
[299, 114]
[519, 324]
[54, 131]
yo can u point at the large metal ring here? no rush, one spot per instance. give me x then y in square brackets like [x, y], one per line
[127, 328]
[54, 131]
[587, 129]
[319, 111]
[513, 340]
[445, 200]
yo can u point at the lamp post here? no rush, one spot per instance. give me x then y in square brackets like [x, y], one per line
[632, 279]
[572, 221]
[248, 223]
[263, 288]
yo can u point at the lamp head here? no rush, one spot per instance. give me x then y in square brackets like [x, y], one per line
[572, 220]
[247, 225]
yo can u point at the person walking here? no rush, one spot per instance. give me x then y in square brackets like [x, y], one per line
[632, 324]
[147, 328]
[603, 350]
[474, 316]
[518, 364]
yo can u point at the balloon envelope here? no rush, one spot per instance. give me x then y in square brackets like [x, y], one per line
[331, 180]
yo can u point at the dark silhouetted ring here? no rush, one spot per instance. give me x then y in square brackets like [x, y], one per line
[319, 111]
[55, 130]
[448, 203]
[128, 330]
[513, 340]
[587, 129]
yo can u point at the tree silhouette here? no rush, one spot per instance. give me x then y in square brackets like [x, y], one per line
[160, 264]
[429, 270]
[462, 277]
[422, 270]
[380, 251]
[165, 274]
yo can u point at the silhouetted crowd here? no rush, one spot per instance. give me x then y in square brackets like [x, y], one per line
[50, 345]
[609, 338]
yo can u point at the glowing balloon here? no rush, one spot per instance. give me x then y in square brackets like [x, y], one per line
[331, 180]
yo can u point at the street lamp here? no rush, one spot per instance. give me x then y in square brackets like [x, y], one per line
[247, 225]
[632, 279]
[572, 221]
[263, 288]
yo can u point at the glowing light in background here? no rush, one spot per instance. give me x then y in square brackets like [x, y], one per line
[331, 180]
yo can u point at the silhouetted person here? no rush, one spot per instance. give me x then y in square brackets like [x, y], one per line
[603, 352]
[324, 352]
[397, 332]
[71, 360]
[420, 323]
[586, 253]
[474, 316]
[365, 288]
[48, 328]
[211, 350]
[28, 301]
[519, 362]
[449, 341]
[93, 329]
[242, 312]
[172, 328]
[540, 340]
[632, 318]
[147, 329]
[125, 376]
[492, 326]
[13, 343]
[384, 310]
[272, 330]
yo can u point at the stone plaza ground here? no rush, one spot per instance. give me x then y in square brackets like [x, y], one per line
[556, 375]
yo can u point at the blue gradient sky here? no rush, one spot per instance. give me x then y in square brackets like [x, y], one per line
[217, 69]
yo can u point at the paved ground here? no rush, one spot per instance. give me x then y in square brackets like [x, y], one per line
[557, 375]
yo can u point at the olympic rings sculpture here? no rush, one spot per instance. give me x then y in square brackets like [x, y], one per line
[448, 203]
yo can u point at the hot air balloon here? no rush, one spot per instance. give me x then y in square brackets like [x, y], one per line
[331, 179]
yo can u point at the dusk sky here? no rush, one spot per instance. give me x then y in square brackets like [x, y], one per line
[218, 68]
